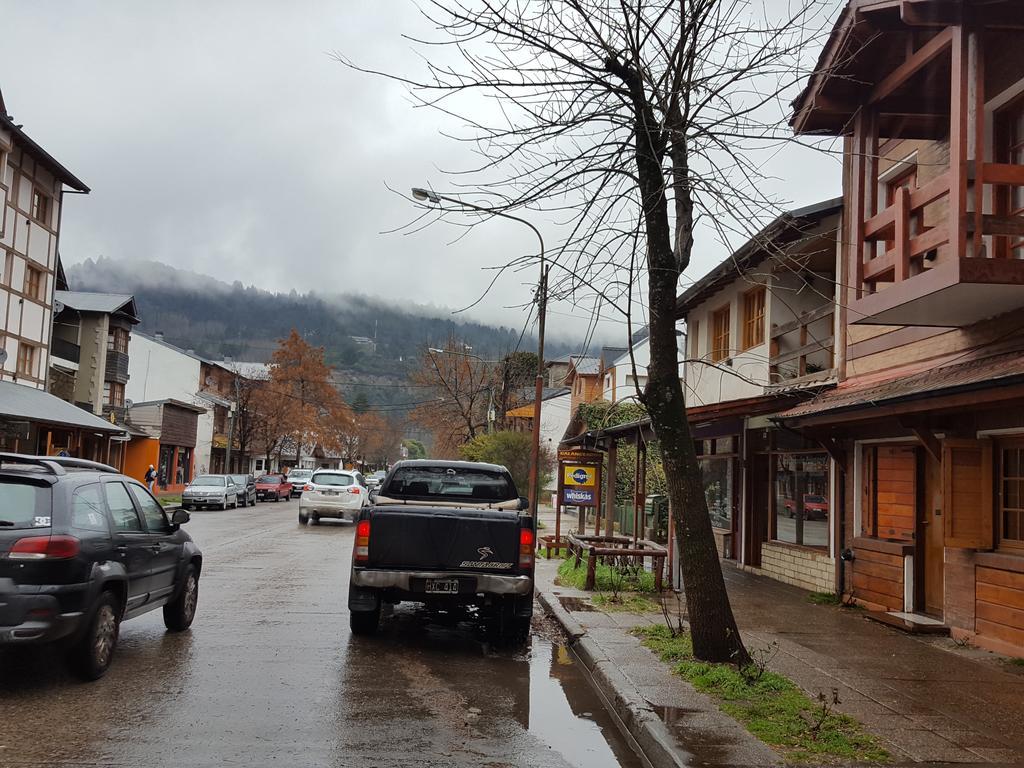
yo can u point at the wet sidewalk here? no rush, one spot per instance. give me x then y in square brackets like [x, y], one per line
[925, 698]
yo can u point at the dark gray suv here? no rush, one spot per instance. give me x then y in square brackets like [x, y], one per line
[82, 548]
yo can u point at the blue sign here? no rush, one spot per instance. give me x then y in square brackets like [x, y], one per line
[580, 476]
[581, 496]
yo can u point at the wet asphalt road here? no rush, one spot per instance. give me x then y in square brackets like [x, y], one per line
[270, 675]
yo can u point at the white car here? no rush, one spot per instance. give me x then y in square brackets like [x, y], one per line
[210, 491]
[298, 478]
[333, 493]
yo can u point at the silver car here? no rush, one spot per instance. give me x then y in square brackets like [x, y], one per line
[335, 493]
[210, 491]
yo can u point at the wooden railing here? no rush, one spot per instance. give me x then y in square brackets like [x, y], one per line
[780, 363]
[907, 251]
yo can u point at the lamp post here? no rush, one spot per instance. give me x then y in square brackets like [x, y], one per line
[426, 195]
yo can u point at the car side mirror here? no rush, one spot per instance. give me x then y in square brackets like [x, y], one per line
[524, 503]
[180, 517]
[373, 494]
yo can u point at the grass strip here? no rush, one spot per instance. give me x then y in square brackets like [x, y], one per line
[771, 707]
[625, 603]
[608, 578]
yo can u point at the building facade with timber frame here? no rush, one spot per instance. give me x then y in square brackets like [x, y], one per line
[926, 422]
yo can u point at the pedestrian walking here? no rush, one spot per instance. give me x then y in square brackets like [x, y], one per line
[150, 477]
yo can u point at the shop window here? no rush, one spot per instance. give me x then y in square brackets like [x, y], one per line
[753, 317]
[720, 334]
[717, 458]
[967, 493]
[801, 498]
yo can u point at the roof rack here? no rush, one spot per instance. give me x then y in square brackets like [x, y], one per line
[55, 465]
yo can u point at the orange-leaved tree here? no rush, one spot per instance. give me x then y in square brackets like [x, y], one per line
[299, 374]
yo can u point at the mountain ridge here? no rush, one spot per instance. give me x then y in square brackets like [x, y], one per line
[220, 319]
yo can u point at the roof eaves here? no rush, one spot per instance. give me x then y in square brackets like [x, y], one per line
[753, 252]
[30, 146]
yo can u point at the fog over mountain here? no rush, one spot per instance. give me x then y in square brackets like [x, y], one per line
[218, 319]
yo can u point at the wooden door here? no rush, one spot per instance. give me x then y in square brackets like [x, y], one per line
[931, 539]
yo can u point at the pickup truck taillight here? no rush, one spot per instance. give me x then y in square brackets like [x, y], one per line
[362, 550]
[45, 548]
[525, 548]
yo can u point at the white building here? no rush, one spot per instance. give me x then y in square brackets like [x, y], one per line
[626, 372]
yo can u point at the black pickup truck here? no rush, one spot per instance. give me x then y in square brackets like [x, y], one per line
[453, 535]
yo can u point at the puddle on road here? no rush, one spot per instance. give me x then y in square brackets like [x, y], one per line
[567, 714]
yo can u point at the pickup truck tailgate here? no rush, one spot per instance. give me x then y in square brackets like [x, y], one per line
[433, 538]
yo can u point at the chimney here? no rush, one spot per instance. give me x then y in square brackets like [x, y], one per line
[190, 351]
[159, 335]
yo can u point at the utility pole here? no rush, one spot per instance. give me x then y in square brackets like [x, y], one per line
[427, 195]
[233, 414]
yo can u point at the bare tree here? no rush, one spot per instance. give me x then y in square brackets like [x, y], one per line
[632, 122]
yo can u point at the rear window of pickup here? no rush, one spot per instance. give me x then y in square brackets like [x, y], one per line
[450, 483]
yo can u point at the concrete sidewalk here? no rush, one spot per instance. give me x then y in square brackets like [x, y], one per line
[926, 699]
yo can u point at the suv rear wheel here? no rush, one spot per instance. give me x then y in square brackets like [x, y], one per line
[92, 654]
[364, 622]
[179, 613]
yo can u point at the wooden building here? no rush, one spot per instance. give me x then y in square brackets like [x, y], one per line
[927, 420]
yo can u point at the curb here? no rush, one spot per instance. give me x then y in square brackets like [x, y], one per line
[635, 715]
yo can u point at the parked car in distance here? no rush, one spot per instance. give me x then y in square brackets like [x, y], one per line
[298, 478]
[815, 507]
[83, 548]
[210, 491]
[332, 493]
[372, 481]
[246, 485]
[453, 535]
[274, 487]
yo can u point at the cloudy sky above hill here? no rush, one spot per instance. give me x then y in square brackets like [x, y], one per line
[224, 138]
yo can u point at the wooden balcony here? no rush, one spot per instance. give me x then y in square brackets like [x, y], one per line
[939, 254]
[929, 278]
[802, 351]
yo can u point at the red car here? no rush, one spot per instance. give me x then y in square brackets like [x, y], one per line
[274, 487]
[815, 507]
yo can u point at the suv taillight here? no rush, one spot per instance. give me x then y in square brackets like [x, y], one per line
[45, 548]
[307, 487]
[362, 550]
[525, 548]
[355, 489]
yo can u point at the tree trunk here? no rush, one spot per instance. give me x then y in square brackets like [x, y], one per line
[712, 625]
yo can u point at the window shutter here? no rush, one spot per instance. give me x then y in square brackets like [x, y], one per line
[967, 493]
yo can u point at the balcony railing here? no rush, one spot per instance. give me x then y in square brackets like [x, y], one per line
[65, 350]
[800, 354]
[899, 281]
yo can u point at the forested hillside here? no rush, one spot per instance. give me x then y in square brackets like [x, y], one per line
[221, 320]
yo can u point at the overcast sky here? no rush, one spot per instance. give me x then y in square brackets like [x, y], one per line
[222, 137]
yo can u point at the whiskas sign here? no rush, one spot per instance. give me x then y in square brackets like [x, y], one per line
[579, 496]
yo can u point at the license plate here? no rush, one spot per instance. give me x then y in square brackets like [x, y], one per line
[442, 587]
[330, 493]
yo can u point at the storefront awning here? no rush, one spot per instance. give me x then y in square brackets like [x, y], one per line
[972, 382]
[22, 403]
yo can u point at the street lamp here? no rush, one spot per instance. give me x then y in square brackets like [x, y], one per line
[429, 196]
